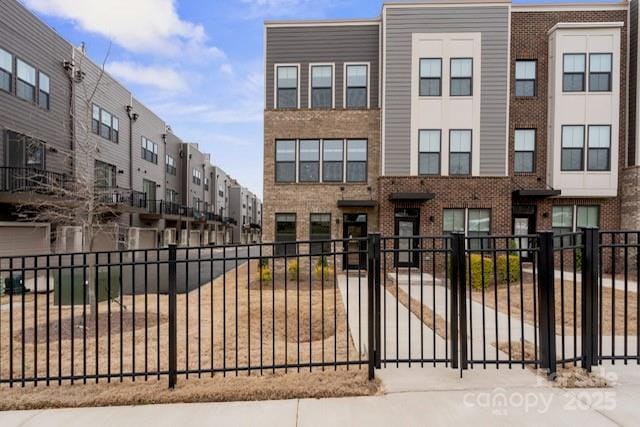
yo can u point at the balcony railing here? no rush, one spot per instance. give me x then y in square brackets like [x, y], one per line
[229, 220]
[14, 180]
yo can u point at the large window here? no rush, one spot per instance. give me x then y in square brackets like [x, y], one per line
[105, 175]
[461, 77]
[356, 160]
[562, 222]
[429, 152]
[26, 83]
[309, 161]
[332, 160]
[587, 216]
[479, 225]
[459, 152]
[572, 148]
[598, 154]
[526, 78]
[600, 72]
[21, 151]
[357, 86]
[44, 94]
[285, 161]
[285, 232]
[430, 77]
[105, 124]
[171, 165]
[320, 229]
[453, 221]
[149, 150]
[196, 176]
[6, 70]
[287, 86]
[525, 150]
[321, 86]
[573, 72]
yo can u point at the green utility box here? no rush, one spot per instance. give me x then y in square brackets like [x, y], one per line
[63, 286]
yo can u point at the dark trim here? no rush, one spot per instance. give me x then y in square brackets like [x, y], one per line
[543, 193]
[357, 203]
[416, 197]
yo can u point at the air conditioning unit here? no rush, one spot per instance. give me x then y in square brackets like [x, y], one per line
[184, 238]
[169, 237]
[68, 239]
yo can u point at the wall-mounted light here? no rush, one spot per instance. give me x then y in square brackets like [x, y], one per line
[120, 171]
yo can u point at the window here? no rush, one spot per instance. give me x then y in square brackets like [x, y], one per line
[461, 77]
[525, 150]
[287, 84]
[431, 77]
[26, 83]
[44, 92]
[321, 86]
[600, 72]
[598, 154]
[196, 176]
[453, 221]
[105, 124]
[6, 70]
[562, 223]
[171, 167]
[356, 160]
[332, 160]
[286, 161]
[526, 78]
[285, 232]
[587, 216]
[105, 175]
[21, 151]
[478, 225]
[206, 184]
[149, 150]
[357, 86]
[170, 196]
[34, 153]
[460, 152]
[310, 161]
[572, 148]
[320, 229]
[573, 72]
[429, 152]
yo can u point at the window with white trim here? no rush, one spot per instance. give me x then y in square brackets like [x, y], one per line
[460, 152]
[429, 151]
[321, 86]
[357, 82]
[431, 77]
[287, 86]
[44, 93]
[461, 77]
[6, 70]
[599, 148]
[26, 82]
[525, 150]
[573, 71]
[149, 150]
[600, 65]
[526, 77]
[572, 148]
[309, 161]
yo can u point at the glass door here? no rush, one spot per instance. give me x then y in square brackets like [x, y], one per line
[406, 229]
[354, 233]
[524, 219]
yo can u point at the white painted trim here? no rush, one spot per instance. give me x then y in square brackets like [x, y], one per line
[321, 23]
[344, 82]
[507, 135]
[446, 3]
[584, 25]
[264, 55]
[333, 82]
[563, 7]
[275, 83]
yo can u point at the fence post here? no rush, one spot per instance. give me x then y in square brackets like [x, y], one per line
[589, 296]
[371, 301]
[173, 339]
[377, 299]
[456, 320]
[546, 302]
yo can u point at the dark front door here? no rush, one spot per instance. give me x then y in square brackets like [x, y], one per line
[524, 224]
[407, 227]
[355, 246]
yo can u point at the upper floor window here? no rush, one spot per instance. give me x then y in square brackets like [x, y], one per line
[429, 152]
[105, 124]
[6, 70]
[149, 150]
[196, 176]
[430, 77]
[309, 161]
[600, 72]
[170, 196]
[287, 86]
[105, 174]
[460, 152]
[285, 161]
[599, 151]
[332, 160]
[356, 160]
[321, 86]
[525, 150]
[357, 92]
[26, 83]
[171, 166]
[461, 77]
[206, 184]
[573, 70]
[526, 78]
[45, 91]
[572, 148]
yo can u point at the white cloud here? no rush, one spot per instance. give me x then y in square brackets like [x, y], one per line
[148, 75]
[226, 69]
[151, 26]
[286, 8]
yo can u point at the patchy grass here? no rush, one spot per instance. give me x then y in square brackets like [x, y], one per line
[317, 384]
[429, 317]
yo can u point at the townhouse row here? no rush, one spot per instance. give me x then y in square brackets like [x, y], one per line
[62, 118]
[452, 115]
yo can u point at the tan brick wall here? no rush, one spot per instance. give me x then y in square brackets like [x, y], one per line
[630, 198]
[306, 198]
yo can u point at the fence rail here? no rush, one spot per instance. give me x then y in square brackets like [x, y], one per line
[545, 300]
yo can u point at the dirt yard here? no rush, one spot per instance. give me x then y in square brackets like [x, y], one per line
[220, 326]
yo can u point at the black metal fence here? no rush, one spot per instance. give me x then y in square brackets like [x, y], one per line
[455, 301]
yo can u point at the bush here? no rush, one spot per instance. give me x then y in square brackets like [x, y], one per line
[264, 262]
[265, 274]
[323, 269]
[477, 267]
[514, 269]
[293, 268]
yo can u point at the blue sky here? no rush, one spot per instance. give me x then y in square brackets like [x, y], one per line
[197, 64]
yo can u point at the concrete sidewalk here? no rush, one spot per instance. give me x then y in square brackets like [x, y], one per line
[413, 397]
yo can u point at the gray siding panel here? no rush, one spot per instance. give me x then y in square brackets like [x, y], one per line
[333, 44]
[492, 23]
[173, 145]
[151, 127]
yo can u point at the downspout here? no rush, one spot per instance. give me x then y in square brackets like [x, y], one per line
[72, 110]
[132, 118]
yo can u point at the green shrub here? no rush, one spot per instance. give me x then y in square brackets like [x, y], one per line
[293, 268]
[514, 269]
[322, 269]
[265, 274]
[477, 269]
[264, 262]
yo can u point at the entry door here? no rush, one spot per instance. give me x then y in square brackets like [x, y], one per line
[407, 226]
[524, 225]
[355, 227]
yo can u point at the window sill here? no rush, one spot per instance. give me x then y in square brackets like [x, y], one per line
[350, 183]
[525, 98]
